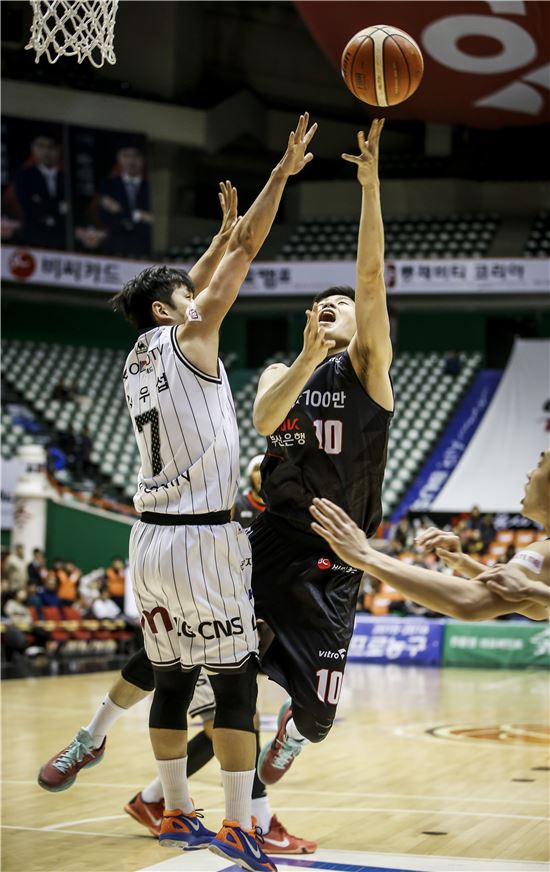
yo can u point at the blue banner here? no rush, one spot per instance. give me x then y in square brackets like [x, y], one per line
[396, 640]
[452, 444]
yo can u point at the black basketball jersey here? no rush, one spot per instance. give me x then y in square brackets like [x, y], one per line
[332, 444]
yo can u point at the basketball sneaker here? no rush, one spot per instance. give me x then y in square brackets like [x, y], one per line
[242, 847]
[277, 757]
[185, 831]
[61, 770]
[147, 813]
[278, 840]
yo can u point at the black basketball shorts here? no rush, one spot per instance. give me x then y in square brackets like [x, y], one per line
[308, 598]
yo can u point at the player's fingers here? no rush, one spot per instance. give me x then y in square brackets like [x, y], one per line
[323, 519]
[361, 140]
[329, 343]
[351, 158]
[311, 133]
[331, 510]
[308, 157]
[449, 556]
[317, 528]
[291, 138]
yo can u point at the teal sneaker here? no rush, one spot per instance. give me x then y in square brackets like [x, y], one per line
[277, 756]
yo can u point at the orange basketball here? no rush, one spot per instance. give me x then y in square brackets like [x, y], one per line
[382, 65]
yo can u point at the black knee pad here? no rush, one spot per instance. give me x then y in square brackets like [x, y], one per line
[173, 692]
[313, 725]
[236, 698]
[139, 672]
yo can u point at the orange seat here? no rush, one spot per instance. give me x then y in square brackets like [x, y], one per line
[505, 537]
[496, 549]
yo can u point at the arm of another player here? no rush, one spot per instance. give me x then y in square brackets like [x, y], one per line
[201, 273]
[280, 386]
[250, 232]
[448, 547]
[526, 576]
[370, 349]
[440, 593]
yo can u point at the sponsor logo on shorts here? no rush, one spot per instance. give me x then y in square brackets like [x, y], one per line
[211, 629]
[246, 562]
[325, 563]
[151, 616]
[334, 655]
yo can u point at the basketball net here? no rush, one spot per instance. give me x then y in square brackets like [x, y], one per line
[80, 28]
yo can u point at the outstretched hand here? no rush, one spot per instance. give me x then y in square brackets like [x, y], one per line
[446, 545]
[367, 160]
[296, 155]
[229, 202]
[316, 346]
[342, 534]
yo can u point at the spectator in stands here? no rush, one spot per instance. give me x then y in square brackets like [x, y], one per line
[474, 544]
[61, 391]
[7, 594]
[104, 608]
[474, 521]
[115, 581]
[402, 536]
[40, 190]
[48, 594]
[125, 208]
[82, 453]
[487, 531]
[15, 568]
[36, 570]
[67, 584]
[17, 609]
[452, 363]
[33, 600]
[249, 504]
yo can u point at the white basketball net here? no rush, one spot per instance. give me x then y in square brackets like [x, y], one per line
[81, 28]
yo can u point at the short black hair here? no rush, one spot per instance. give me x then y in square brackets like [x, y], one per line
[336, 291]
[138, 295]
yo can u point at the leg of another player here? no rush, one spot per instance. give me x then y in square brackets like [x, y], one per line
[88, 746]
[181, 826]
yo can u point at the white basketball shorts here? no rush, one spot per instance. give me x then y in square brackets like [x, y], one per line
[203, 703]
[192, 586]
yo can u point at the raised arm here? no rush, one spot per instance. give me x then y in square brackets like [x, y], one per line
[467, 601]
[201, 273]
[198, 337]
[370, 349]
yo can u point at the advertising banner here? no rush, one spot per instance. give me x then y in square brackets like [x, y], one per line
[485, 64]
[277, 279]
[391, 640]
[497, 644]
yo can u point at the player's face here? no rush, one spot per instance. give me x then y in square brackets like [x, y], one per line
[337, 315]
[536, 502]
[177, 308]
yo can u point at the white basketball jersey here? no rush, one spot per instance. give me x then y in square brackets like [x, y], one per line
[185, 427]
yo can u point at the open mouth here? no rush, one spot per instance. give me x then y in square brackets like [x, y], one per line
[327, 316]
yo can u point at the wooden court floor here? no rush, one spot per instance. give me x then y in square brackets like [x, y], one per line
[449, 763]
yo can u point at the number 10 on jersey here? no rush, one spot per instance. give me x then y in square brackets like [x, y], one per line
[329, 435]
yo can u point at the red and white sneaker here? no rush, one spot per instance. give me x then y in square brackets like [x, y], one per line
[147, 813]
[277, 756]
[61, 770]
[279, 841]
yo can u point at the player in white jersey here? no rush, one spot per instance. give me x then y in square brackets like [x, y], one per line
[190, 564]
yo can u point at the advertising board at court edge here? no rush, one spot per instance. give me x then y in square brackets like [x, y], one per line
[31, 266]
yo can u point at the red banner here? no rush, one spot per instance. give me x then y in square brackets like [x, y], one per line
[486, 64]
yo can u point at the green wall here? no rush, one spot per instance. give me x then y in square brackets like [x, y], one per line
[89, 539]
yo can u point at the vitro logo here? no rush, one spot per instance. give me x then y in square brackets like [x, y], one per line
[441, 39]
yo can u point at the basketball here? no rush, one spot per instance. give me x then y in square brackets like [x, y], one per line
[382, 65]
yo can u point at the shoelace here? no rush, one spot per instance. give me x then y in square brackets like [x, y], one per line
[74, 754]
[287, 750]
[259, 835]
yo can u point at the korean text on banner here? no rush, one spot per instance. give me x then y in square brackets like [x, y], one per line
[497, 644]
[396, 640]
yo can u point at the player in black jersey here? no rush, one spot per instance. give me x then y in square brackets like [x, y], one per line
[326, 419]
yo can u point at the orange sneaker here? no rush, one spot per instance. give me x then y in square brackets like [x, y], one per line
[242, 847]
[185, 831]
[279, 841]
[147, 813]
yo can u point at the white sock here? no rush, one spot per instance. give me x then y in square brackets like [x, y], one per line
[293, 733]
[153, 792]
[261, 810]
[237, 787]
[175, 787]
[104, 718]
